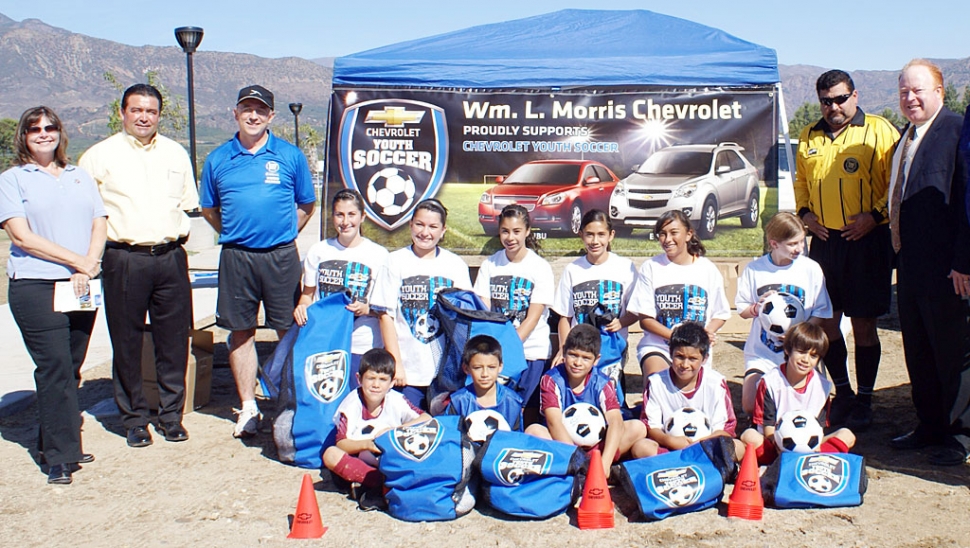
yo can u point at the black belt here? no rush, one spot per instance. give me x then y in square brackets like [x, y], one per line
[258, 249]
[157, 249]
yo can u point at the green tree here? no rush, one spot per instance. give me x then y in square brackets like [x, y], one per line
[310, 140]
[805, 115]
[894, 118]
[966, 99]
[174, 118]
[8, 130]
[951, 98]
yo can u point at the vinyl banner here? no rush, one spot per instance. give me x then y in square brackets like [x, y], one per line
[633, 153]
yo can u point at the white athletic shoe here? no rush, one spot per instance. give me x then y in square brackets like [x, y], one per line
[247, 421]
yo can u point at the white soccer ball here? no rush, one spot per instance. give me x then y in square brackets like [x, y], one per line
[483, 423]
[690, 423]
[798, 432]
[391, 191]
[585, 423]
[779, 312]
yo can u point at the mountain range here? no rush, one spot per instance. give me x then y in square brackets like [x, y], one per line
[40, 63]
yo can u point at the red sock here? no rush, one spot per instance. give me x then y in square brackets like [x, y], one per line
[834, 445]
[353, 469]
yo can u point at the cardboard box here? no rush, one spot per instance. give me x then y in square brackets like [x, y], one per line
[202, 339]
[729, 271]
[198, 374]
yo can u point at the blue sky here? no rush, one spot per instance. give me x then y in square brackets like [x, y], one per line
[827, 33]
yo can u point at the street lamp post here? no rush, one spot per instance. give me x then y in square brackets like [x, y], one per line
[189, 39]
[295, 108]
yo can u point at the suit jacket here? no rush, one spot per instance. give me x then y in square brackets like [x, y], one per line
[933, 227]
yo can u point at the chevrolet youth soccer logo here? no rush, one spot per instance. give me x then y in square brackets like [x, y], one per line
[824, 474]
[417, 441]
[676, 487]
[394, 152]
[512, 465]
[326, 374]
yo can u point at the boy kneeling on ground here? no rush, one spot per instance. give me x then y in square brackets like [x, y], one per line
[795, 385]
[577, 380]
[363, 415]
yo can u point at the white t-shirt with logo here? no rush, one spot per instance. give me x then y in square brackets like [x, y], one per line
[584, 285]
[407, 292]
[672, 294]
[512, 287]
[330, 267]
[802, 279]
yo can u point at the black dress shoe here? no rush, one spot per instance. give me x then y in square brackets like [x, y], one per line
[173, 431]
[915, 439]
[85, 458]
[952, 453]
[138, 436]
[59, 474]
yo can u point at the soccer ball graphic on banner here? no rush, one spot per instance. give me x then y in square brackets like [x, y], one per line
[798, 432]
[690, 423]
[483, 423]
[585, 423]
[779, 312]
[390, 191]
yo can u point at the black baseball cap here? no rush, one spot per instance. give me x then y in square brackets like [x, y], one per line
[259, 93]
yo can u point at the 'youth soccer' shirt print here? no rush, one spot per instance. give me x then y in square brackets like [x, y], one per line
[337, 275]
[587, 295]
[511, 296]
[678, 303]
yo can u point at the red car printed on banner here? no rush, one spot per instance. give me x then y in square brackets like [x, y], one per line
[556, 193]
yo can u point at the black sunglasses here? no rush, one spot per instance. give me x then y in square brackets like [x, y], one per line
[838, 100]
[34, 130]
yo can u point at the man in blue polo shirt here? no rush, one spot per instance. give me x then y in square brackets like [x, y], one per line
[257, 193]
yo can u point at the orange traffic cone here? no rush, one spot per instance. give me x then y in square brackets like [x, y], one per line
[306, 521]
[596, 509]
[746, 501]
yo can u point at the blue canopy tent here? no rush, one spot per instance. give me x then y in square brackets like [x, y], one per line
[568, 48]
[582, 81]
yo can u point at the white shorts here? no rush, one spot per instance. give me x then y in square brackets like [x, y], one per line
[755, 364]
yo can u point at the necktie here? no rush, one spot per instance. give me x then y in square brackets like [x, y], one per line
[897, 197]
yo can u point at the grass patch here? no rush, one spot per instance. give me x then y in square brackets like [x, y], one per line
[465, 235]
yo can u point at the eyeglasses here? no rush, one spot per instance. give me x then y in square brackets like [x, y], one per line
[838, 100]
[34, 130]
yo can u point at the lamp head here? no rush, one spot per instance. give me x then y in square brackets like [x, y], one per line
[189, 38]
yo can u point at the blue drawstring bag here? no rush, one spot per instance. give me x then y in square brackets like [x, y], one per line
[462, 315]
[815, 480]
[320, 373]
[679, 482]
[427, 469]
[530, 477]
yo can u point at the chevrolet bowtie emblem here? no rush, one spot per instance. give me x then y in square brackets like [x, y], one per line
[394, 117]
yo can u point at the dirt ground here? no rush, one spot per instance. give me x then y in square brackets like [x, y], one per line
[216, 491]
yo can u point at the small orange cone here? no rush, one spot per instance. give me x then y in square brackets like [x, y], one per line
[306, 521]
[746, 501]
[596, 509]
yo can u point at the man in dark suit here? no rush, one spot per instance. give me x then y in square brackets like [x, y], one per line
[931, 236]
